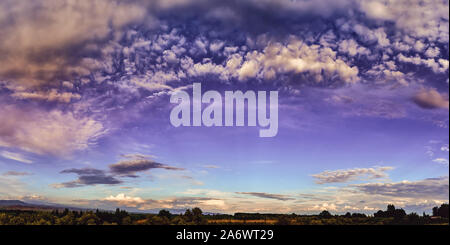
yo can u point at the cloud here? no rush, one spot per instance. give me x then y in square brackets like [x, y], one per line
[443, 161]
[91, 45]
[267, 195]
[347, 175]
[352, 48]
[437, 66]
[83, 171]
[431, 99]
[125, 168]
[125, 200]
[44, 41]
[428, 188]
[432, 24]
[15, 156]
[298, 58]
[52, 95]
[47, 132]
[130, 167]
[15, 173]
[88, 177]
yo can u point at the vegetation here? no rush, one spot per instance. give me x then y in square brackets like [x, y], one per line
[391, 216]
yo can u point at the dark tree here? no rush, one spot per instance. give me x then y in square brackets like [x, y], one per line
[197, 216]
[379, 214]
[358, 215]
[399, 214]
[165, 213]
[435, 211]
[188, 216]
[443, 211]
[325, 214]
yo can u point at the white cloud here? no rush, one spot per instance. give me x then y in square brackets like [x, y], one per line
[125, 200]
[422, 19]
[47, 132]
[346, 175]
[352, 48]
[298, 58]
[441, 161]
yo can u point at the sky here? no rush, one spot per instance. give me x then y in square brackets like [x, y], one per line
[363, 104]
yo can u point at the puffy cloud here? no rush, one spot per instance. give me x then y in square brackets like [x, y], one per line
[437, 66]
[424, 19]
[432, 52]
[352, 48]
[346, 175]
[125, 200]
[47, 132]
[377, 10]
[298, 58]
[431, 99]
[267, 195]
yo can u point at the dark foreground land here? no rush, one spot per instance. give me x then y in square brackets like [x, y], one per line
[392, 216]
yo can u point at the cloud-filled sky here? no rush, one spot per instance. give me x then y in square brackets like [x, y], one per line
[363, 87]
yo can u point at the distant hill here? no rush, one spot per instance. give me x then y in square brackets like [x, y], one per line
[20, 205]
[12, 203]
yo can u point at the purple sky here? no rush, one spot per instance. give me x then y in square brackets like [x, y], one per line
[85, 92]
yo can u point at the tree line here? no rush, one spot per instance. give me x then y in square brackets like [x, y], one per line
[195, 216]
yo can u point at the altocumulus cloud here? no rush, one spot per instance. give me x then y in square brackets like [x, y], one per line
[84, 39]
[133, 48]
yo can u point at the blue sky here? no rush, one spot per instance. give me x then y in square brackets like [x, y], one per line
[363, 104]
